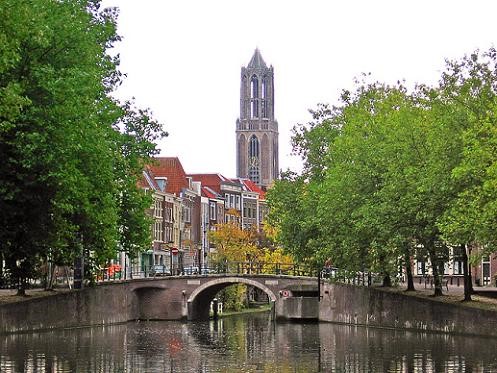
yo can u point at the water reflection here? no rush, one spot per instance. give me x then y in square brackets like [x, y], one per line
[250, 343]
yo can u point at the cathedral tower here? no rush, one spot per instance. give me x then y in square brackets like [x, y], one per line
[256, 129]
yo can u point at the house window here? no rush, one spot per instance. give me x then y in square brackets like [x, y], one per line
[446, 268]
[237, 203]
[169, 214]
[158, 208]
[420, 267]
[458, 254]
[158, 231]
[458, 267]
[212, 211]
[187, 214]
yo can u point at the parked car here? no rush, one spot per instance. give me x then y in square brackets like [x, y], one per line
[159, 270]
[207, 271]
[190, 270]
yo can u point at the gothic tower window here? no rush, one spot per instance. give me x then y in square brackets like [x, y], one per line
[264, 102]
[254, 97]
[244, 107]
[253, 157]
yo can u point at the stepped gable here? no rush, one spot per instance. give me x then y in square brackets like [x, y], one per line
[172, 169]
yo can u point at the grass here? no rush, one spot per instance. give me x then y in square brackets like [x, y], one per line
[10, 295]
[478, 301]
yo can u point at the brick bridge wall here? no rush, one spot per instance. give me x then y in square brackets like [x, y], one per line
[168, 298]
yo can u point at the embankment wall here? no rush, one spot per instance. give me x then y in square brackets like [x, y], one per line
[94, 306]
[368, 306]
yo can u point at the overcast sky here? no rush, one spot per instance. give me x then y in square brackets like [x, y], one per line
[183, 59]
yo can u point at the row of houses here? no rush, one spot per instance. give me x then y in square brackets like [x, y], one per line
[186, 207]
[483, 270]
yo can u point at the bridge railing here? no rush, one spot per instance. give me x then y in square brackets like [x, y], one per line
[365, 278]
[259, 268]
[116, 273]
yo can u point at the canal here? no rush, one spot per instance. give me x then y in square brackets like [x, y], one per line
[243, 343]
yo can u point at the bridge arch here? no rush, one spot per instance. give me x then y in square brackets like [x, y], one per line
[198, 302]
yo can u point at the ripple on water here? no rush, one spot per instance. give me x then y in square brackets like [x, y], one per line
[245, 343]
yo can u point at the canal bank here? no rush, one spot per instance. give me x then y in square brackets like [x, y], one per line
[243, 343]
[395, 309]
[339, 303]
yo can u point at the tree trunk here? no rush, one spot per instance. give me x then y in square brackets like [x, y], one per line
[470, 276]
[21, 289]
[407, 263]
[468, 288]
[387, 281]
[436, 276]
[2, 279]
[52, 276]
[436, 264]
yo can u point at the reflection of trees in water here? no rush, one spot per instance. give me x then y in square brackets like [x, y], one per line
[246, 343]
[55, 351]
[349, 348]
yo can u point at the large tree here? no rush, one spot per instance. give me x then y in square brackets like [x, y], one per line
[71, 155]
[469, 87]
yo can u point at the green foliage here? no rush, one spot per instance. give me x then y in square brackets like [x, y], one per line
[234, 297]
[71, 155]
[390, 174]
[290, 215]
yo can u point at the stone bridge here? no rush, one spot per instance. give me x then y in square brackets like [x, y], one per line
[189, 297]
[159, 298]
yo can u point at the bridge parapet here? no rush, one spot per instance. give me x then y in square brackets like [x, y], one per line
[189, 297]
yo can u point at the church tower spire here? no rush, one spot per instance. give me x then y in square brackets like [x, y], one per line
[256, 128]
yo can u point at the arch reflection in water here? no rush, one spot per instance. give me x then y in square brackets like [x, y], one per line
[248, 343]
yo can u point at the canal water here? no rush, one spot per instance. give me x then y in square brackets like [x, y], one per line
[243, 343]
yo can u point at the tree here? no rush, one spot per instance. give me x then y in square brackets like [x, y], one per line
[71, 155]
[233, 244]
[469, 86]
[290, 216]
[390, 174]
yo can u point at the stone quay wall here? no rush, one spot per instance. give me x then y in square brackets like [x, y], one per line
[356, 305]
[101, 305]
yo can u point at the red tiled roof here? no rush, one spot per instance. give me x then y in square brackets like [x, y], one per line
[212, 181]
[147, 180]
[252, 187]
[208, 192]
[171, 168]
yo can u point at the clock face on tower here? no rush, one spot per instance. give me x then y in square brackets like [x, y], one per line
[253, 162]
